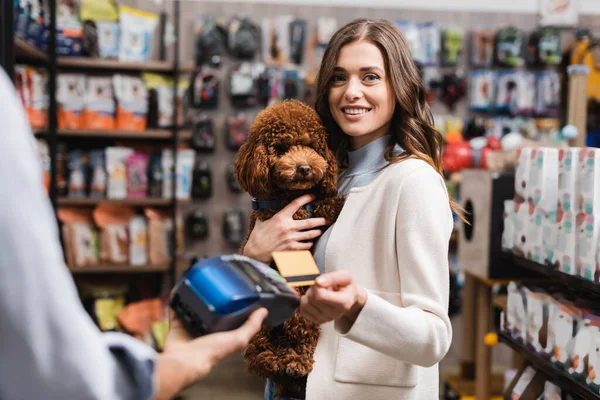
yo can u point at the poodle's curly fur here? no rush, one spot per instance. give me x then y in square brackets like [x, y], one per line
[286, 155]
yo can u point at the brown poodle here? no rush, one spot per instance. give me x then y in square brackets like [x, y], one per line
[286, 156]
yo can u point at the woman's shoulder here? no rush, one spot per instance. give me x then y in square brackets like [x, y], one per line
[413, 168]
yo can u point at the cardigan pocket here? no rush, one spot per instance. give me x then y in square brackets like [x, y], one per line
[357, 363]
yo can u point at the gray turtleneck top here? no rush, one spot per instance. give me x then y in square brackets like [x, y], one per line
[364, 165]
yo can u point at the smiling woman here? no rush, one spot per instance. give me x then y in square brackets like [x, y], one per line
[384, 262]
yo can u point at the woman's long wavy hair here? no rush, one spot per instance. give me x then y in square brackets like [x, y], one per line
[412, 124]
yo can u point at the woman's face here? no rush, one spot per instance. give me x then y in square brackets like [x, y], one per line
[360, 96]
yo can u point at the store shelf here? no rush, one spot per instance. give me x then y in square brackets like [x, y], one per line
[68, 201]
[573, 282]
[119, 269]
[114, 65]
[26, 50]
[147, 134]
[559, 377]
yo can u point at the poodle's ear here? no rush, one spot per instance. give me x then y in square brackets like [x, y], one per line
[329, 181]
[252, 168]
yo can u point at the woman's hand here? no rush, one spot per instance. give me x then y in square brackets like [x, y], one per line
[333, 296]
[283, 232]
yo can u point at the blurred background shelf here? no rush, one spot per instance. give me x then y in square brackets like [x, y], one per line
[26, 50]
[559, 377]
[147, 134]
[116, 65]
[119, 269]
[573, 282]
[67, 201]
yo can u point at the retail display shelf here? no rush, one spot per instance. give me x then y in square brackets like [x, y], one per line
[119, 269]
[116, 65]
[559, 377]
[146, 134]
[573, 282]
[26, 50]
[76, 201]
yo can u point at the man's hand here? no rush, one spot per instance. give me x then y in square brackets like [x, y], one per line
[186, 360]
[334, 296]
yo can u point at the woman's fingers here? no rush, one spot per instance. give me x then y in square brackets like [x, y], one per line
[308, 235]
[295, 205]
[309, 223]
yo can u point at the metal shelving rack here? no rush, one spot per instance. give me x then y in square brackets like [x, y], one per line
[13, 48]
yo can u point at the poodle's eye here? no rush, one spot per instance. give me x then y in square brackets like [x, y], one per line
[280, 148]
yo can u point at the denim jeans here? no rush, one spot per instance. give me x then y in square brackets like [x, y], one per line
[270, 392]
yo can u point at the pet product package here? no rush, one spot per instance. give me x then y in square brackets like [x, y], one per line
[568, 179]
[113, 221]
[137, 175]
[543, 178]
[589, 179]
[588, 232]
[99, 110]
[160, 99]
[562, 315]
[593, 370]
[137, 34]
[522, 217]
[522, 192]
[116, 169]
[547, 94]
[566, 242]
[481, 92]
[551, 391]
[276, 33]
[38, 111]
[155, 175]
[528, 385]
[97, 179]
[44, 154]
[582, 343]
[516, 314]
[77, 163]
[80, 236]
[183, 174]
[132, 102]
[541, 236]
[482, 48]
[508, 234]
[138, 243]
[69, 30]
[537, 319]
[70, 98]
[160, 225]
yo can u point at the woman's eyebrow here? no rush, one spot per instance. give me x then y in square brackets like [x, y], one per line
[363, 69]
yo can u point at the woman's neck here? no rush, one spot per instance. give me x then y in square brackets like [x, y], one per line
[356, 142]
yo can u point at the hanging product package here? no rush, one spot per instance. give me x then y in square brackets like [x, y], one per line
[243, 38]
[210, 41]
[70, 98]
[132, 102]
[204, 88]
[481, 89]
[116, 169]
[101, 28]
[243, 83]
[113, 221]
[21, 19]
[137, 33]
[69, 29]
[509, 45]
[547, 94]
[544, 47]
[99, 110]
[155, 175]
[482, 48]
[160, 100]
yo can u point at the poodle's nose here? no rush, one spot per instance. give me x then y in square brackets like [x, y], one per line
[303, 170]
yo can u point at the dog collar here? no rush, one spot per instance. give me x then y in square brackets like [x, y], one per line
[276, 204]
